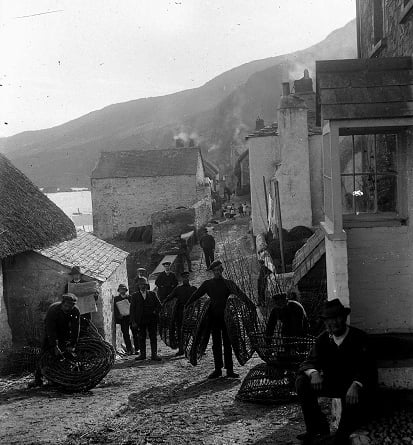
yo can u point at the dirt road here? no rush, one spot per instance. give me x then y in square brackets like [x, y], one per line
[150, 403]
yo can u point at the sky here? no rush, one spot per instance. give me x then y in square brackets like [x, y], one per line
[61, 59]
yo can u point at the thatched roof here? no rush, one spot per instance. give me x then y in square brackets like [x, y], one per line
[28, 219]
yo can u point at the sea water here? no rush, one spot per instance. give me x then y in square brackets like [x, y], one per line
[77, 205]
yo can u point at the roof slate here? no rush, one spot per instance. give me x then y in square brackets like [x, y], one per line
[95, 257]
[146, 163]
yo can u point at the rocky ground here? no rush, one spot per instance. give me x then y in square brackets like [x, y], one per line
[150, 403]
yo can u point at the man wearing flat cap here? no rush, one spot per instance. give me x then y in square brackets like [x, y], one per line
[122, 317]
[166, 281]
[62, 326]
[340, 365]
[182, 294]
[219, 289]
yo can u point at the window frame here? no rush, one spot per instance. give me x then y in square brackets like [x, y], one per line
[337, 128]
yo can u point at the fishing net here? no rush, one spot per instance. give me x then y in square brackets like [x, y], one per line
[196, 329]
[84, 370]
[167, 324]
[241, 321]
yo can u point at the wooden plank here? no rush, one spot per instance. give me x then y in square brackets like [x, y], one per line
[365, 111]
[386, 94]
[378, 64]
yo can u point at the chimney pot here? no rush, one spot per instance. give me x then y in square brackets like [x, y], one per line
[286, 88]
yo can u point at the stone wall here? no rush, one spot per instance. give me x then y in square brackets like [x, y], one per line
[31, 283]
[121, 203]
[293, 175]
[264, 154]
[5, 331]
[398, 36]
[171, 223]
[203, 211]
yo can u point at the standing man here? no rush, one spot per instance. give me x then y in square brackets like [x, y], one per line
[339, 365]
[219, 289]
[144, 310]
[166, 281]
[184, 254]
[207, 242]
[124, 320]
[77, 277]
[62, 327]
[182, 293]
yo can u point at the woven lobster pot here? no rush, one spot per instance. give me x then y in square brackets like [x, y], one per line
[19, 361]
[93, 360]
[196, 329]
[280, 351]
[241, 322]
[167, 324]
[266, 384]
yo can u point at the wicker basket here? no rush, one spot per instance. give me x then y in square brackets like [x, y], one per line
[93, 360]
[266, 384]
[241, 322]
[280, 351]
[167, 324]
[196, 329]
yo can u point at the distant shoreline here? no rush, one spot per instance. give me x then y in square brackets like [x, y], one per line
[64, 189]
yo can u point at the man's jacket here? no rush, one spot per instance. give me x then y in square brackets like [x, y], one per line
[207, 242]
[341, 365]
[165, 284]
[143, 311]
[62, 329]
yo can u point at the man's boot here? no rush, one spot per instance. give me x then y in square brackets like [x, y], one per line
[154, 351]
[215, 374]
[142, 347]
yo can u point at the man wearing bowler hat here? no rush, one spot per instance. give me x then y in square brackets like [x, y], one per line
[339, 365]
[219, 289]
[166, 281]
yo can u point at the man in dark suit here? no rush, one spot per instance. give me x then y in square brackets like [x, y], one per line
[62, 327]
[339, 365]
[182, 293]
[207, 242]
[166, 281]
[219, 289]
[144, 311]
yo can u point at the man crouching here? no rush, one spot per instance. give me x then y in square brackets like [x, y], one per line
[62, 326]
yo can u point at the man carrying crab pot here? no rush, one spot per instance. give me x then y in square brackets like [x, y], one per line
[62, 327]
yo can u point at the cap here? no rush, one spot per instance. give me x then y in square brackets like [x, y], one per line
[141, 269]
[69, 297]
[75, 271]
[122, 287]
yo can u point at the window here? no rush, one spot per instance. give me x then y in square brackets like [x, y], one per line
[369, 176]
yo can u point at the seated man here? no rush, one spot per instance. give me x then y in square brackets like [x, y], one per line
[62, 327]
[339, 365]
[287, 318]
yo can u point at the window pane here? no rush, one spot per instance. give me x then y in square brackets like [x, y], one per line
[386, 193]
[364, 194]
[386, 153]
[364, 153]
[347, 194]
[346, 154]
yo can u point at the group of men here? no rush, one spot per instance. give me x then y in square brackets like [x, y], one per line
[339, 365]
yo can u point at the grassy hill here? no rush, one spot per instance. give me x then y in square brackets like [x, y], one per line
[219, 113]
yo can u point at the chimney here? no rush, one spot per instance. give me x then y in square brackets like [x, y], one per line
[259, 124]
[191, 143]
[179, 143]
[286, 88]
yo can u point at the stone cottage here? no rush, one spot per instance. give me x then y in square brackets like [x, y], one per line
[287, 153]
[129, 186]
[38, 246]
[366, 111]
[28, 221]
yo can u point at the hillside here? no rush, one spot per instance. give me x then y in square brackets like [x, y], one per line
[220, 113]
